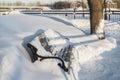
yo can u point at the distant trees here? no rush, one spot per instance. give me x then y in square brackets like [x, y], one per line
[20, 3]
[82, 4]
[61, 5]
[55, 5]
[118, 2]
[97, 18]
[5, 4]
[38, 3]
[66, 4]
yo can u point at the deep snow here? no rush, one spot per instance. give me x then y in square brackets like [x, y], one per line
[97, 59]
[110, 59]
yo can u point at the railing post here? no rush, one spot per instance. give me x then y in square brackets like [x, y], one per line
[105, 6]
[74, 12]
[109, 10]
[83, 9]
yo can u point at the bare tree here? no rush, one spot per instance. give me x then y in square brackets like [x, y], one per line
[18, 3]
[118, 2]
[61, 5]
[97, 18]
[38, 3]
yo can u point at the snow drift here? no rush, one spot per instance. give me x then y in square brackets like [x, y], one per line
[14, 62]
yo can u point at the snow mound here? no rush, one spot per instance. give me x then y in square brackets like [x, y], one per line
[15, 12]
[11, 65]
[93, 48]
[50, 34]
[114, 32]
[46, 8]
[53, 40]
[54, 36]
[89, 62]
[79, 8]
[85, 49]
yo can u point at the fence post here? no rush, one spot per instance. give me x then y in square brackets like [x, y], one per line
[109, 13]
[74, 12]
[83, 9]
[105, 5]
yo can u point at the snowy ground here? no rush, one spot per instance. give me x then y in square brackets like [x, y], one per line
[97, 59]
[110, 61]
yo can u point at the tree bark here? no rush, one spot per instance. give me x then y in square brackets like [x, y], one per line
[97, 18]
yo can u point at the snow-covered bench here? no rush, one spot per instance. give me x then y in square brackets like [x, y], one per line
[56, 46]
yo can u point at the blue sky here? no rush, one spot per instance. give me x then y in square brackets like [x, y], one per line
[42, 1]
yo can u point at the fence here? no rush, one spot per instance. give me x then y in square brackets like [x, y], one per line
[67, 13]
[113, 15]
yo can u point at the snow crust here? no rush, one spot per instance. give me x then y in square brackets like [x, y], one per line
[94, 59]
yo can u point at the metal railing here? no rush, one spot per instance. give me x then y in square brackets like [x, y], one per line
[112, 15]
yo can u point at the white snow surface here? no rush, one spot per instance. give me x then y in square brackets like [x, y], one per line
[14, 12]
[108, 67]
[94, 59]
[46, 8]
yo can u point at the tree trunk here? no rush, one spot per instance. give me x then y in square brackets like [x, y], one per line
[97, 18]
